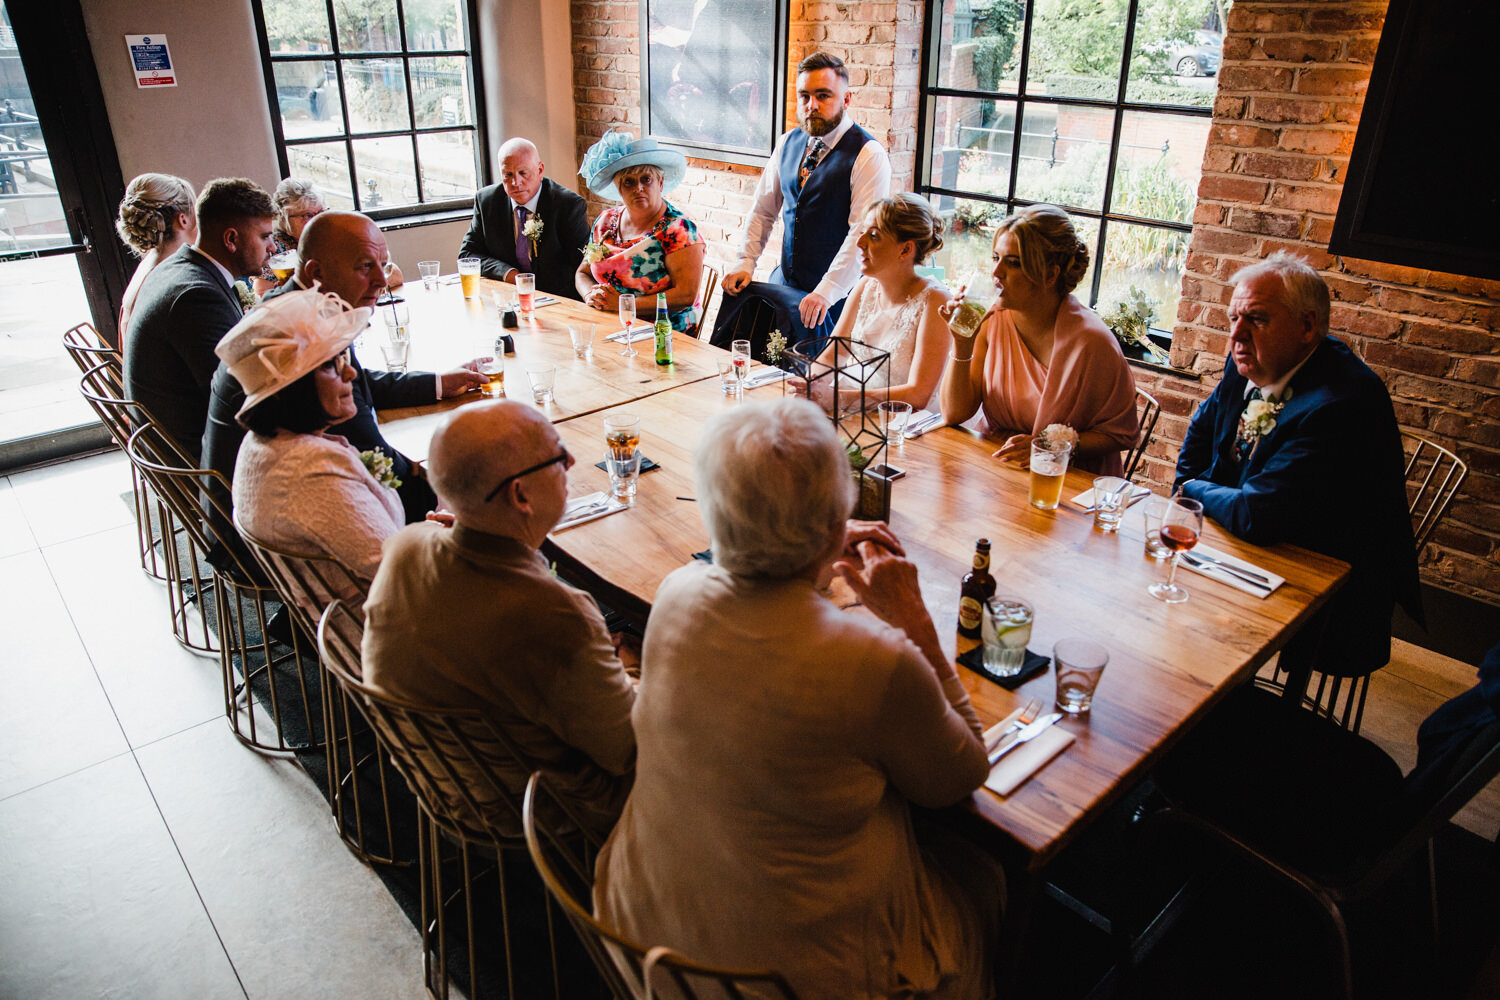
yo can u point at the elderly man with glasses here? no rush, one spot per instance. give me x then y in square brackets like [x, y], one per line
[471, 616]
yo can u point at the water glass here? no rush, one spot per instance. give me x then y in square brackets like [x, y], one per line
[1080, 663]
[1152, 510]
[468, 276]
[894, 416]
[397, 321]
[1109, 502]
[429, 270]
[622, 456]
[542, 378]
[1005, 629]
[729, 377]
[739, 353]
[582, 336]
[526, 292]
[395, 353]
[1049, 465]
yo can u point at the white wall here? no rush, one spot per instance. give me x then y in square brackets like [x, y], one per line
[533, 97]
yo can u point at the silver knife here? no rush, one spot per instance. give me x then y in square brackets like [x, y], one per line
[1205, 557]
[1244, 576]
[1027, 734]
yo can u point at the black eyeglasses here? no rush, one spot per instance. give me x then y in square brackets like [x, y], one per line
[340, 360]
[564, 458]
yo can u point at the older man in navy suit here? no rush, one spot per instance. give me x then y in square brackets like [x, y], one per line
[1299, 444]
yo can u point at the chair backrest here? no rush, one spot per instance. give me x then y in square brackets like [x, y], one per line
[1150, 410]
[451, 759]
[87, 348]
[307, 581]
[631, 969]
[1433, 476]
[706, 289]
[103, 387]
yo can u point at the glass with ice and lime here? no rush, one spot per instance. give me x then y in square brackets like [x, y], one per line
[1006, 630]
[975, 296]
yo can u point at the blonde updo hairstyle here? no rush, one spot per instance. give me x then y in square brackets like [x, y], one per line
[905, 217]
[1047, 239]
[149, 212]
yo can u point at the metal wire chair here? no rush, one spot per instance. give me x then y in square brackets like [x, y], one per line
[1150, 411]
[630, 969]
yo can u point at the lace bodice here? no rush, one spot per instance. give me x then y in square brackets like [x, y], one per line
[890, 328]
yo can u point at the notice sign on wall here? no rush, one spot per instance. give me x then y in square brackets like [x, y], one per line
[151, 61]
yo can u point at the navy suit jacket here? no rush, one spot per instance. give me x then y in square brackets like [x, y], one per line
[565, 230]
[1330, 477]
[182, 311]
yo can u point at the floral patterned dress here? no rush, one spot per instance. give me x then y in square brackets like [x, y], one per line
[640, 265]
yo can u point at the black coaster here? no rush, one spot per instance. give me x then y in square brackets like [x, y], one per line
[1033, 665]
[646, 465]
[707, 555]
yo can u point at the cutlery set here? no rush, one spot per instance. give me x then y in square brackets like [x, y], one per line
[920, 424]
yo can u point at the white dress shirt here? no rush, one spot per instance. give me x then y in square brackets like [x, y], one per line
[869, 182]
[223, 271]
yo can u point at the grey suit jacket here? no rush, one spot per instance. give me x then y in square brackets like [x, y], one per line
[184, 308]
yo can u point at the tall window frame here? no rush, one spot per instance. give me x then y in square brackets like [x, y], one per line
[1099, 218]
[359, 195]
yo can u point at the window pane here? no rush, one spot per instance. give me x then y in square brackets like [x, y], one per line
[1064, 151]
[979, 47]
[1076, 48]
[447, 165]
[972, 144]
[1161, 159]
[434, 24]
[377, 95]
[326, 164]
[386, 171]
[1175, 58]
[968, 234]
[296, 26]
[368, 26]
[308, 93]
[440, 91]
[1149, 259]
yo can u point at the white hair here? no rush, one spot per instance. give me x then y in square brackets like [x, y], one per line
[1304, 289]
[774, 484]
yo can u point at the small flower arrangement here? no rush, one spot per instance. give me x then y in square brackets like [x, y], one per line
[775, 344]
[1259, 418]
[381, 468]
[593, 253]
[247, 297]
[1129, 317]
[1056, 435]
[532, 230]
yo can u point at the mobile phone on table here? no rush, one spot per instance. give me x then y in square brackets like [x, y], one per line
[887, 471]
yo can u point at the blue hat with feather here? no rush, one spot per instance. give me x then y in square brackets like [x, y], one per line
[617, 151]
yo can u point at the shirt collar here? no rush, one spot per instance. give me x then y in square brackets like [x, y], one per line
[228, 278]
[530, 206]
[1276, 389]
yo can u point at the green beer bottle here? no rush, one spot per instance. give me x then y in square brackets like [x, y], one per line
[663, 331]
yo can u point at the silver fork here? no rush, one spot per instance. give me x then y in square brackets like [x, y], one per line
[1032, 709]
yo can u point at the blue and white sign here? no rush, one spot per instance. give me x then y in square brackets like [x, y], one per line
[150, 60]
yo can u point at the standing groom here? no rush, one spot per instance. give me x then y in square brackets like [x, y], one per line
[502, 212]
[822, 178]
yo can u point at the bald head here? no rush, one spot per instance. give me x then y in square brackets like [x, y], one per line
[521, 170]
[481, 446]
[346, 252]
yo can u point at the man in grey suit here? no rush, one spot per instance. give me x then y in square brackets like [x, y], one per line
[502, 210]
[189, 302]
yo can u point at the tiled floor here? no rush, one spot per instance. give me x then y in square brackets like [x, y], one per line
[143, 851]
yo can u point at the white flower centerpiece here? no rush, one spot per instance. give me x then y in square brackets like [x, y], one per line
[1129, 317]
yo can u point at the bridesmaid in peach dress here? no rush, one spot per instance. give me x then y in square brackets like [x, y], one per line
[1041, 356]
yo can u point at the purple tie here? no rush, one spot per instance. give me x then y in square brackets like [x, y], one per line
[523, 245]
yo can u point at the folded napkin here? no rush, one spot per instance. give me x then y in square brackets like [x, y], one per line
[1086, 498]
[921, 422]
[585, 514]
[450, 279]
[1221, 575]
[765, 376]
[647, 333]
[1021, 763]
[542, 301]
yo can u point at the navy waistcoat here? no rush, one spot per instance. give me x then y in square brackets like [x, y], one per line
[815, 220]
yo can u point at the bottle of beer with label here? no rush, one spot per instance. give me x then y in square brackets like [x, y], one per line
[663, 331]
[977, 587]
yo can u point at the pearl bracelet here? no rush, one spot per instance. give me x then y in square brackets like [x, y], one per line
[955, 357]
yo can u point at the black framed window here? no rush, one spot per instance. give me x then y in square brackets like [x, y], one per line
[1102, 107]
[374, 100]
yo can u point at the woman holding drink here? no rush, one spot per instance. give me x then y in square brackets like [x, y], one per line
[297, 203]
[1041, 356]
[646, 245]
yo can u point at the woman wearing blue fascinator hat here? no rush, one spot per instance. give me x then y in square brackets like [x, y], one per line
[645, 245]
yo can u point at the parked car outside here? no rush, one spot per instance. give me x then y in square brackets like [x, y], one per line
[1201, 58]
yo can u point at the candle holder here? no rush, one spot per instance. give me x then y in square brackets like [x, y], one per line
[848, 380]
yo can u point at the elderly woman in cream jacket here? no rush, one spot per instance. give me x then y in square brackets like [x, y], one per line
[781, 739]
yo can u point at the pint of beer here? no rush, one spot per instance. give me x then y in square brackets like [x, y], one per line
[282, 265]
[468, 275]
[1049, 464]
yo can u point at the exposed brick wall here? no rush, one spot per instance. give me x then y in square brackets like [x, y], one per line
[1290, 94]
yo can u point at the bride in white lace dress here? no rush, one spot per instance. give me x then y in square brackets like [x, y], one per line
[894, 309]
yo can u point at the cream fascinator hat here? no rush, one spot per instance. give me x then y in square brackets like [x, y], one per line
[285, 337]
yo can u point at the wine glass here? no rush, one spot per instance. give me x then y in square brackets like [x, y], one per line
[627, 316]
[1181, 525]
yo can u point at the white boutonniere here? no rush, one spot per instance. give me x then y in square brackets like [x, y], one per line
[593, 253]
[381, 468]
[1259, 418]
[1058, 434]
[533, 232]
[247, 297]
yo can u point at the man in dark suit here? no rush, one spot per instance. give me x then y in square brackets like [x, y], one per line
[344, 253]
[524, 197]
[189, 301]
[1299, 444]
